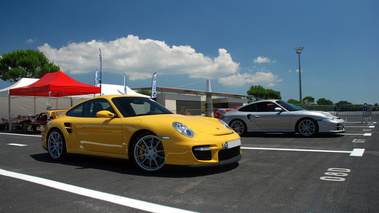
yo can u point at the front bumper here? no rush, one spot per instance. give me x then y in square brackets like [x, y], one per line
[332, 126]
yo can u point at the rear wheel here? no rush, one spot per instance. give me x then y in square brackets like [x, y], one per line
[148, 152]
[238, 126]
[56, 145]
[307, 127]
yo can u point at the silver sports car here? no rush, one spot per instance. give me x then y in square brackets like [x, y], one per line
[280, 116]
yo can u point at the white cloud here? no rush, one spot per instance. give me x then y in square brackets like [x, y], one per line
[29, 41]
[265, 78]
[261, 60]
[140, 58]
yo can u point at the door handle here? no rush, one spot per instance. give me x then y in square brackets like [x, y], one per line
[256, 116]
[79, 126]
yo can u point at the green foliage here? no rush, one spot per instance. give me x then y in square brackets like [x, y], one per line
[343, 103]
[309, 100]
[323, 101]
[293, 101]
[260, 93]
[25, 64]
[144, 92]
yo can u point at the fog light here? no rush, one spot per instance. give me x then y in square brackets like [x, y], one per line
[202, 148]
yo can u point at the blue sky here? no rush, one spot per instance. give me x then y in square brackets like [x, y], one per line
[236, 44]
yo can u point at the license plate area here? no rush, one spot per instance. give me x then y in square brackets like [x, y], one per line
[232, 144]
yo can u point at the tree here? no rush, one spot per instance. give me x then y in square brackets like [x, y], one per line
[342, 103]
[309, 100]
[257, 91]
[293, 101]
[323, 101]
[260, 93]
[25, 64]
[144, 92]
[272, 94]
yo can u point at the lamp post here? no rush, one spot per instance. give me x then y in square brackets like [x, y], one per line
[298, 51]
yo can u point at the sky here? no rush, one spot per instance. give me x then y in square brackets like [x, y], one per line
[235, 44]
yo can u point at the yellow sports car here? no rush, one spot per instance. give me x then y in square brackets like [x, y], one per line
[139, 129]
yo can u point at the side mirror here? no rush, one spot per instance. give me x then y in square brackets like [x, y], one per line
[104, 114]
[250, 117]
[278, 109]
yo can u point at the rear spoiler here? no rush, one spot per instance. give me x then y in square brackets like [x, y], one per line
[53, 114]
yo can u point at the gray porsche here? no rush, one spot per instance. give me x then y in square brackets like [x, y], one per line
[280, 116]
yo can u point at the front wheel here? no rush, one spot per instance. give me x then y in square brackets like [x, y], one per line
[307, 127]
[148, 153]
[56, 145]
[238, 126]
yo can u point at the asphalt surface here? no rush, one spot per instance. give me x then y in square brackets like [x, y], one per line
[278, 173]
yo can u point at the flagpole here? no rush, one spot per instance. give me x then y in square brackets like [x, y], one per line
[125, 84]
[100, 72]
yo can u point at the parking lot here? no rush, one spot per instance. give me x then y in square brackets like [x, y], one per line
[277, 173]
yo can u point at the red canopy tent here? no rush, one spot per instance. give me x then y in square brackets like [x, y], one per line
[55, 84]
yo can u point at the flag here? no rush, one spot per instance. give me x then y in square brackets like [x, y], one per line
[154, 86]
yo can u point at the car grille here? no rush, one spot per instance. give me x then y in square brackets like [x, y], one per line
[224, 154]
[228, 153]
[202, 155]
[340, 126]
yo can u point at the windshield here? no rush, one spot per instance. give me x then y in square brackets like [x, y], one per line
[135, 106]
[288, 106]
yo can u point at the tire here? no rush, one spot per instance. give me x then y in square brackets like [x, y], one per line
[239, 127]
[56, 145]
[307, 127]
[148, 153]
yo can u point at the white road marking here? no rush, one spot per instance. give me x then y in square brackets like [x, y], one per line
[123, 201]
[355, 152]
[359, 141]
[25, 135]
[370, 127]
[16, 144]
[358, 134]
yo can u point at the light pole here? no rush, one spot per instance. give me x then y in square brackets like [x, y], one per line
[298, 51]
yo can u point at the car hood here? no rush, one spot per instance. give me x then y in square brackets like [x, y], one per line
[318, 114]
[196, 123]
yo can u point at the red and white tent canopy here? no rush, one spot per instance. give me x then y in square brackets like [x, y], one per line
[56, 84]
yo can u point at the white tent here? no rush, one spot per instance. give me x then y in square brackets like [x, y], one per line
[112, 89]
[21, 83]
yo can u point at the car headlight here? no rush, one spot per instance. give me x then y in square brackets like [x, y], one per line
[225, 124]
[328, 115]
[183, 129]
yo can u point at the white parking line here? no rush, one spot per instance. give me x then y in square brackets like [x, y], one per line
[358, 134]
[370, 127]
[355, 152]
[123, 201]
[25, 135]
[16, 144]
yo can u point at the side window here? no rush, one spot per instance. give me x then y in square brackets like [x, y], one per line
[94, 106]
[266, 107]
[76, 112]
[249, 108]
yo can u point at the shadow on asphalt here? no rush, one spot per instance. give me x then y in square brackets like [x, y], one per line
[124, 166]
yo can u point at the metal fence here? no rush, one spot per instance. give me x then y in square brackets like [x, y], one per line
[362, 113]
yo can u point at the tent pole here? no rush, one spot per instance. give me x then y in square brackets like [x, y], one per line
[35, 111]
[9, 112]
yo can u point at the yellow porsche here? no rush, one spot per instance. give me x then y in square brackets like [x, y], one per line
[139, 129]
